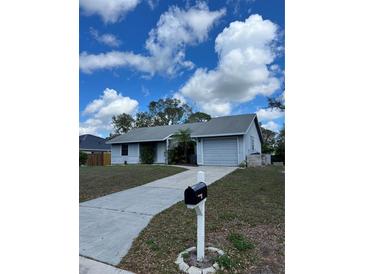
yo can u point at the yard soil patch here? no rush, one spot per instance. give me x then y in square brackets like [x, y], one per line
[209, 259]
[244, 218]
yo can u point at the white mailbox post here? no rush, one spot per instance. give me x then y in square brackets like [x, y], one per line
[200, 212]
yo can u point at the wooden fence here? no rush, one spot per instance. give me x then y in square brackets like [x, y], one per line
[107, 159]
[99, 159]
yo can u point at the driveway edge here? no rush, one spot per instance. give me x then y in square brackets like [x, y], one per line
[88, 266]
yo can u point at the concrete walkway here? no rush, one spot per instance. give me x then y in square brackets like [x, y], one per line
[87, 266]
[109, 224]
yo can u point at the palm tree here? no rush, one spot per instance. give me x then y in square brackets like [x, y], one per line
[183, 138]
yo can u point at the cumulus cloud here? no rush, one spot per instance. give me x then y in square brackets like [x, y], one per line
[99, 112]
[176, 29]
[106, 38]
[245, 50]
[269, 114]
[109, 10]
[271, 125]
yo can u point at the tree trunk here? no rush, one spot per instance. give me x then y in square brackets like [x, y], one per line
[186, 153]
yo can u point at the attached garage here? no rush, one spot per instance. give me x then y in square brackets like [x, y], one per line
[220, 151]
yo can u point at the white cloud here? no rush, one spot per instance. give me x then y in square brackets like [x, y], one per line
[245, 50]
[109, 10]
[145, 91]
[179, 97]
[106, 38]
[271, 125]
[153, 3]
[216, 107]
[112, 59]
[93, 126]
[269, 114]
[100, 111]
[176, 29]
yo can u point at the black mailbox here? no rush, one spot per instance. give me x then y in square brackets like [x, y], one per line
[195, 194]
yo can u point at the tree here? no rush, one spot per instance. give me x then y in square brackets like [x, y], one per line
[269, 140]
[280, 144]
[279, 147]
[198, 117]
[122, 123]
[143, 119]
[111, 136]
[169, 111]
[183, 138]
[276, 102]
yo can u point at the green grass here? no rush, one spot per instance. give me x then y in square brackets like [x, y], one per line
[102, 180]
[244, 218]
[225, 262]
[152, 245]
[240, 242]
[185, 256]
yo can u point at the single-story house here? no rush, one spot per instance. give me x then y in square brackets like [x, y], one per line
[224, 141]
[92, 144]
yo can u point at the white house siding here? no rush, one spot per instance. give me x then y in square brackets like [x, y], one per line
[199, 151]
[252, 132]
[131, 158]
[241, 149]
[160, 153]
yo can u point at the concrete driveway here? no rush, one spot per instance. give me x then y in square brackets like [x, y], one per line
[109, 224]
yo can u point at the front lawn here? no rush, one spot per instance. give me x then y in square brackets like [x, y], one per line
[102, 180]
[244, 217]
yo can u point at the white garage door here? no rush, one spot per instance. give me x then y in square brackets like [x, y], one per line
[220, 151]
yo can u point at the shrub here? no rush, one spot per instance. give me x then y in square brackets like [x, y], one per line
[225, 262]
[278, 158]
[185, 256]
[243, 163]
[176, 155]
[240, 242]
[82, 158]
[147, 154]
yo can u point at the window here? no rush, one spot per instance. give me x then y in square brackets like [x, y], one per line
[252, 143]
[124, 150]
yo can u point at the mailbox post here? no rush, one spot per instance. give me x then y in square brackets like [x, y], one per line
[195, 197]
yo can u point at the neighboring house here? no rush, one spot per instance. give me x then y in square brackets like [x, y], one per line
[224, 141]
[92, 144]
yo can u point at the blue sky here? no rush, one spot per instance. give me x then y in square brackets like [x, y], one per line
[222, 57]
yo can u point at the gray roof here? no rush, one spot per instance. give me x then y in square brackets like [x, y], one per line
[220, 126]
[92, 142]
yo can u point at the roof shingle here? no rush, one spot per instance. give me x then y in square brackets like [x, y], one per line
[92, 142]
[220, 126]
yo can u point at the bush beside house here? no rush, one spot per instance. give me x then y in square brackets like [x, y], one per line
[147, 154]
[82, 158]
